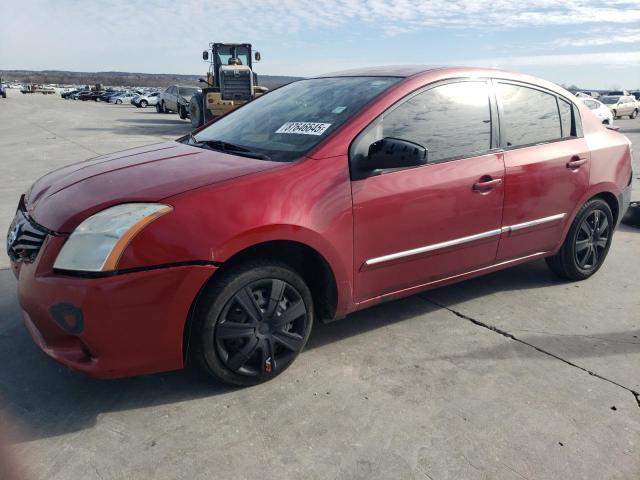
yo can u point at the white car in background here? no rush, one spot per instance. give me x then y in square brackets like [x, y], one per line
[124, 98]
[599, 109]
[621, 105]
[142, 101]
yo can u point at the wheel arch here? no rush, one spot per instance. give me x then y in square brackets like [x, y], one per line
[603, 192]
[307, 261]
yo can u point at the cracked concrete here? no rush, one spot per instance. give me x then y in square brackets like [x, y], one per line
[405, 390]
[635, 394]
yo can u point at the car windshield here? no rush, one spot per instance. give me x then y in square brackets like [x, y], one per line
[187, 91]
[609, 100]
[288, 122]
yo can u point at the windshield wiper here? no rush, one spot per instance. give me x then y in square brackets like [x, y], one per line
[222, 146]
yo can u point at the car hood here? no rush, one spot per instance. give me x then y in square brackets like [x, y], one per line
[63, 198]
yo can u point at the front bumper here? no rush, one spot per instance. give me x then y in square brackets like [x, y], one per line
[109, 327]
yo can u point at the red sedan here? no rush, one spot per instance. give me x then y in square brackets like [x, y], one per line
[322, 197]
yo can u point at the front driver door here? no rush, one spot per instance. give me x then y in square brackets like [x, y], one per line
[422, 224]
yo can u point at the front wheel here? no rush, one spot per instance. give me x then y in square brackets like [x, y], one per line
[143, 104]
[252, 323]
[119, 102]
[587, 243]
[634, 114]
[615, 115]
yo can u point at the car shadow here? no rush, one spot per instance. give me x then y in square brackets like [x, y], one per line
[49, 400]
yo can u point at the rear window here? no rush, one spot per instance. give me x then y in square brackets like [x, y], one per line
[530, 116]
[187, 91]
[609, 100]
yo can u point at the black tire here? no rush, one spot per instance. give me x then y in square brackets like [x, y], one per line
[632, 216]
[118, 102]
[182, 113]
[634, 114]
[143, 104]
[163, 108]
[158, 108]
[587, 244]
[238, 334]
[615, 115]
[195, 110]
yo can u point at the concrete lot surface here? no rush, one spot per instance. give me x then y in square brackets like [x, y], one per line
[513, 375]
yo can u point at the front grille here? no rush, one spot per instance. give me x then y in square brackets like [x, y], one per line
[236, 85]
[24, 239]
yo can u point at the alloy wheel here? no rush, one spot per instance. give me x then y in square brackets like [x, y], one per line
[262, 328]
[592, 240]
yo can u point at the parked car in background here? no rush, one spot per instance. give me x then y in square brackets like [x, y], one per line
[617, 93]
[122, 98]
[142, 101]
[68, 94]
[599, 109]
[331, 194]
[621, 105]
[176, 99]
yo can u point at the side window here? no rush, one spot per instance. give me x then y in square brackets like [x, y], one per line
[566, 118]
[451, 121]
[529, 116]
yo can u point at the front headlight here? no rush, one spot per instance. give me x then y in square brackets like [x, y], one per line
[98, 242]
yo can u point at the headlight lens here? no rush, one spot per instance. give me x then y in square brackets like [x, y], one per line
[97, 243]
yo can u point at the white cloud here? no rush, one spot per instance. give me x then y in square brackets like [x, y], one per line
[598, 37]
[166, 36]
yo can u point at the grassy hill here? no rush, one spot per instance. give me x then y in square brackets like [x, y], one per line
[125, 79]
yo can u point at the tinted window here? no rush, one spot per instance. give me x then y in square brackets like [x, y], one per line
[566, 118]
[451, 121]
[530, 116]
[186, 91]
[609, 100]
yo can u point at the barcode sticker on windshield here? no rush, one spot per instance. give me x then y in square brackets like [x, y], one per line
[304, 128]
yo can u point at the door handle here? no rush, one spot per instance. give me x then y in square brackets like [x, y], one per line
[576, 162]
[486, 184]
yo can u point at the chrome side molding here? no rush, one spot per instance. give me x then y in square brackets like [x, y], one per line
[462, 240]
[533, 223]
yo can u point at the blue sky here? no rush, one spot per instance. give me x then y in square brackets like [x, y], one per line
[592, 44]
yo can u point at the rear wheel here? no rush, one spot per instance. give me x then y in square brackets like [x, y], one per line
[252, 323]
[615, 115]
[119, 102]
[587, 243]
[634, 114]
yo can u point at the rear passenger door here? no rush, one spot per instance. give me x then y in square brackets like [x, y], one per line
[546, 167]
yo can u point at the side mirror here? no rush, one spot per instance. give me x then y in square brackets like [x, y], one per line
[256, 56]
[205, 55]
[394, 153]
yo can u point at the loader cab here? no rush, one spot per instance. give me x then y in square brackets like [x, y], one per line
[227, 54]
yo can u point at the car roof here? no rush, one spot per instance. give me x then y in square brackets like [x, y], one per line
[383, 71]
